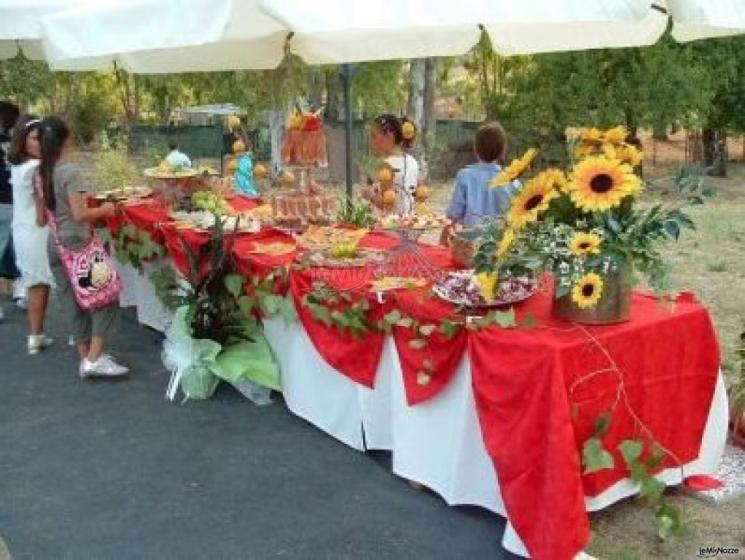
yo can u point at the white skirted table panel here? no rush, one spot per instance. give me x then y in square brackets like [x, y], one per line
[437, 443]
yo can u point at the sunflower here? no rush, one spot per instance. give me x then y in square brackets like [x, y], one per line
[587, 292]
[629, 154]
[615, 135]
[514, 169]
[584, 244]
[585, 149]
[487, 283]
[556, 177]
[532, 200]
[508, 238]
[600, 183]
[591, 135]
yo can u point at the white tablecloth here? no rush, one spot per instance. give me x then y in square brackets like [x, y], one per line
[437, 443]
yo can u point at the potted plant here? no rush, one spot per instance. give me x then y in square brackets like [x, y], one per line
[585, 227]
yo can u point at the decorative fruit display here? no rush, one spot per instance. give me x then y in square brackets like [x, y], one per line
[385, 175]
[304, 142]
[287, 178]
[260, 171]
[208, 201]
[238, 147]
[295, 122]
[422, 193]
[233, 122]
[389, 197]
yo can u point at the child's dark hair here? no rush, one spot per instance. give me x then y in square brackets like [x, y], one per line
[53, 133]
[24, 126]
[8, 115]
[490, 142]
[391, 124]
[172, 144]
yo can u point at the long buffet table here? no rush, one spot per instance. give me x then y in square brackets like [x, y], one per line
[501, 420]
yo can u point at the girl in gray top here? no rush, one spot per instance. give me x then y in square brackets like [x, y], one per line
[63, 195]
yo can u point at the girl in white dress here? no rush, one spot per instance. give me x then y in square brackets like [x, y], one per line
[390, 137]
[30, 240]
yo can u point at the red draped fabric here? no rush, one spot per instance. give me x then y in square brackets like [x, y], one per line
[526, 383]
[538, 391]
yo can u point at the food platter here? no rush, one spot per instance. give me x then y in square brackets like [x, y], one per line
[460, 289]
[323, 237]
[202, 220]
[390, 283]
[160, 173]
[119, 195]
[324, 258]
[415, 222]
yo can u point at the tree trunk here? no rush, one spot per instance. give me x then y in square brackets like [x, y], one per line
[430, 119]
[332, 95]
[659, 132]
[715, 151]
[276, 126]
[415, 105]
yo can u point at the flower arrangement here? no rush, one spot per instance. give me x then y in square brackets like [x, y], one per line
[586, 225]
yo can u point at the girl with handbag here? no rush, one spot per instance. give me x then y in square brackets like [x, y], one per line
[89, 285]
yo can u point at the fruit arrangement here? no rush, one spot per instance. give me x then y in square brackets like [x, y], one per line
[386, 175]
[304, 142]
[208, 201]
[416, 221]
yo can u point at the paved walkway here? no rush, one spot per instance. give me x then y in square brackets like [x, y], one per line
[95, 470]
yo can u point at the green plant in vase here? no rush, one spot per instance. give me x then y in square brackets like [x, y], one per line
[586, 227]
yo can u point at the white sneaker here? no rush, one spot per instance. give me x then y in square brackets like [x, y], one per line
[38, 342]
[71, 341]
[105, 366]
[21, 303]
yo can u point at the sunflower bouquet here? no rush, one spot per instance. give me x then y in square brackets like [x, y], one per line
[586, 226]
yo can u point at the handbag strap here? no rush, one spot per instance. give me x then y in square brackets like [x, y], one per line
[51, 219]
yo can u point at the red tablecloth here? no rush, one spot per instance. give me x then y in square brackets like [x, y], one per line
[526, 382]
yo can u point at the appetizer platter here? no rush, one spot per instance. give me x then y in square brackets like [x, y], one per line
[460, 288]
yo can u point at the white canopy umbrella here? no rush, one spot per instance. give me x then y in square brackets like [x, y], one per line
[701, 19]
[20, 25]
[164, 36]
[346, 31]
[169, 36]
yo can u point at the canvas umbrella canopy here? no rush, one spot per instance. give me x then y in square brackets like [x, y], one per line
[164, 36]
[20, 25]
[341, 31]
[702, 19]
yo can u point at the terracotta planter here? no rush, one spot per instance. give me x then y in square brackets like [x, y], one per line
[614, 305]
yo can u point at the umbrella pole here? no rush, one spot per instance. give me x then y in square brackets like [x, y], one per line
[347, 74]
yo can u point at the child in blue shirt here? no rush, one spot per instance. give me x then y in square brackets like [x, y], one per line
[473, 199]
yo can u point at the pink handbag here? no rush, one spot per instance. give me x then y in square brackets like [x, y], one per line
[92, 275]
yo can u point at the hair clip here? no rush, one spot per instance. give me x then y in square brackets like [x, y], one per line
[31, 123]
